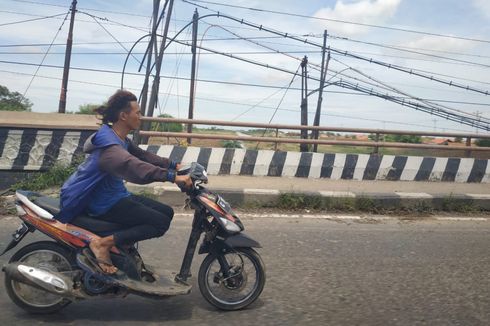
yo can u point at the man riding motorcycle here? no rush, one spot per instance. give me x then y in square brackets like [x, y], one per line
[97, 187]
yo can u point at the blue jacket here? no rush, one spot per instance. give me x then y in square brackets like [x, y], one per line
[77, 190]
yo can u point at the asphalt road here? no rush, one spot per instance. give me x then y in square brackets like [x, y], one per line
[319, 272]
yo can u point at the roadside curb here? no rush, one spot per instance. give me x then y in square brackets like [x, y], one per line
[272, 198]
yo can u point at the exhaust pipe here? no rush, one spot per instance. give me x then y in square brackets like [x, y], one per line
[51, 282]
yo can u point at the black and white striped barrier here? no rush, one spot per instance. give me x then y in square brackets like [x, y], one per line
[332, 166]
[37, 150]
[34, 150]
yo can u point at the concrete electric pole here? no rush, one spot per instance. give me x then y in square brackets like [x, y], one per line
[66, 70]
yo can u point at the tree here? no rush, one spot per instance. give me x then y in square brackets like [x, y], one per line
[398, 138]
[482, 142]
[87, 109]
[13, 101]
[404, 139]
[166, 126]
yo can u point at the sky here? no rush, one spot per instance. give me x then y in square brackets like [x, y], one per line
[446, 39]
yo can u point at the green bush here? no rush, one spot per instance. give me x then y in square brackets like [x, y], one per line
[231, 144]
[166, 126]
[482, 142]
[54, 177]
[403, 139]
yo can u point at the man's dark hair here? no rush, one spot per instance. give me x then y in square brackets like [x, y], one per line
[118, 102]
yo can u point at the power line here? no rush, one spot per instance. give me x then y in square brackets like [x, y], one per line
[420, 53]
[333, 92]
[391, 88]
[349, 54]
[92, 9]
[477, 123]
[426, 107]
[107, 31]
[31, 20]
[333, 20]
[139, 74]
[79, 20]
[214, 99]
[399, 47]
[46, 54]
[204, 80]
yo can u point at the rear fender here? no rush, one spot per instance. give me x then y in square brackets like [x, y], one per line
[18, 235]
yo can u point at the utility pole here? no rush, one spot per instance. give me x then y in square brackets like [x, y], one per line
[144, 92]
[195, 20]
[478, 114]
[158, 66]
[66, 70]
[304, 102]
[323, 74]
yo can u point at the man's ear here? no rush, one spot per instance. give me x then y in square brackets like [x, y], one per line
[123, 116]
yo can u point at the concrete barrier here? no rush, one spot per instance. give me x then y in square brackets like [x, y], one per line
[36, 150]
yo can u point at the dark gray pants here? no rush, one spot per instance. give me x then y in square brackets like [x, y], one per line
[142, 218]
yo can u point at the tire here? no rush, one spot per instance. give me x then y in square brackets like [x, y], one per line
[212, 282]
[35, 300]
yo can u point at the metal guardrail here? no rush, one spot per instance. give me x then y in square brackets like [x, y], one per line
[376, 144]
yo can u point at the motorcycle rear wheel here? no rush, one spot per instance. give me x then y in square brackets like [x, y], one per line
[45, 255]
[243, 285]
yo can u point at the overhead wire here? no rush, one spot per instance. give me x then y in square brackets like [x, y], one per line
[46, 54]
[214, 99]
[96, 19]
[349, 54]
[398, 91]
[193, 2]
[31, 20]
[429, 109]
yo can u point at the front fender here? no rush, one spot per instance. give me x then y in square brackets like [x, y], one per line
[234, 241]
[241, 240]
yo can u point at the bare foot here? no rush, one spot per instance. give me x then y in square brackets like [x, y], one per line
[101, 249]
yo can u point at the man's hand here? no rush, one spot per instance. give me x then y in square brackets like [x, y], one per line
[183, 181]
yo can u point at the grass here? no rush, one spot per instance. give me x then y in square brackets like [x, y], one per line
[297, 202]
[54, 177]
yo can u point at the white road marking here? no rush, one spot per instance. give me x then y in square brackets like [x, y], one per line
[350, 217]
[261, 191]
[413, 195]
[337, 194]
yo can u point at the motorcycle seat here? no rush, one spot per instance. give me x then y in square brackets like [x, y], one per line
[92, 224]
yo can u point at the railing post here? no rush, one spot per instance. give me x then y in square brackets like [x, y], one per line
[275, 144]
[467, 152]
[376, 148]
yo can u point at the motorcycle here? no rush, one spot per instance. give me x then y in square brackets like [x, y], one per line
[45, 276]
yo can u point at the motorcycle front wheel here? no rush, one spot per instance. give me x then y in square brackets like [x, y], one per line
[233, 280]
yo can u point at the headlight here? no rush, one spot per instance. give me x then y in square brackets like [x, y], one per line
[229, 225]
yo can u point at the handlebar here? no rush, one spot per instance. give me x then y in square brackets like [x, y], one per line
[196, 172]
